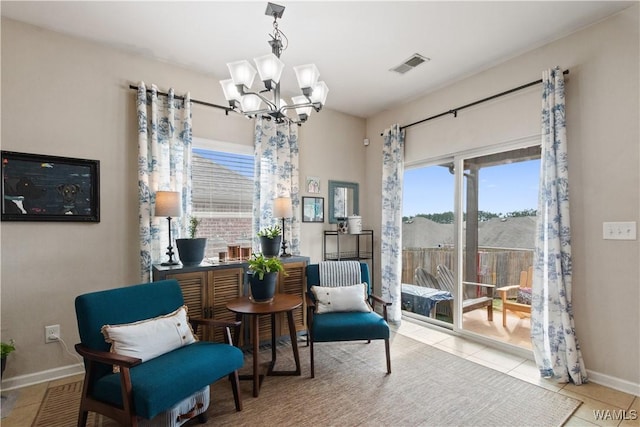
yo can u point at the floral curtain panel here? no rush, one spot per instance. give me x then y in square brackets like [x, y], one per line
[391, 230]
[164, 163]
[553, 334]
[276, 175]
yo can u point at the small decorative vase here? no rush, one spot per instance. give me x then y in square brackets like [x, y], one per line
[191, 251]
[262, 291]
[343, 225]
[270, 247]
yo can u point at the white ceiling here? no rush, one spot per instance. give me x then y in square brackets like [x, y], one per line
[354, 44]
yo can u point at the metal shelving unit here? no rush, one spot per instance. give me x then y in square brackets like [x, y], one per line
[355, 247]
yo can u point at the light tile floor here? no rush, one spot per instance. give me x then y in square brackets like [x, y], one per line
[594, 396]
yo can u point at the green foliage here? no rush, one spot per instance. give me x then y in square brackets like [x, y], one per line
[448, 217]
[261, 265]
[270, 232]
[7, 348]
[193, 226]
[525, 212]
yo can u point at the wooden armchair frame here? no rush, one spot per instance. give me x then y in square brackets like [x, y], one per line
[373, 299]
[373, 331]
[447, 283]
[125, 415]
[526, 278]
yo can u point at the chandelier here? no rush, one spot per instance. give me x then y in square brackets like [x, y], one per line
[267, 102]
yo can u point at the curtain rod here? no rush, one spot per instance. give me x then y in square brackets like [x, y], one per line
[454, 111]
[195, 101]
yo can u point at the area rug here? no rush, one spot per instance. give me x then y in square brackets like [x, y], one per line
[60, 405]
[427, 387]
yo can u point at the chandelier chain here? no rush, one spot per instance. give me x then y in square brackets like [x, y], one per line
[278, 36]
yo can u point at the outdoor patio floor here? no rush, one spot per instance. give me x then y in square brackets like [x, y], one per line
[517, 331]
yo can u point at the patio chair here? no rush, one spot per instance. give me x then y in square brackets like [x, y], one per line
[522, 303]
[469, 303]
[422, 277]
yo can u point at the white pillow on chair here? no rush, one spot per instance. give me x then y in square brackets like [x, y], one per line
[340, 298]
[150, 338]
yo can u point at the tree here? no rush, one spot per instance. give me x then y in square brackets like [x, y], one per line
[448, 217]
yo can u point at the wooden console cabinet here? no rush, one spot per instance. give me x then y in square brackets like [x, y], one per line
[207, 288]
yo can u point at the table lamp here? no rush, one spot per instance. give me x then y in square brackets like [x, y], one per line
[168, 204]
[282, 209]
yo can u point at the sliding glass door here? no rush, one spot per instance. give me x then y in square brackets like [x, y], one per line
[468, 238]
[428, 240]
[499, 201]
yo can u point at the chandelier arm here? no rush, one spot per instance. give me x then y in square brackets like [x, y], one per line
[272, 106]
[316, 105]
[258, 112]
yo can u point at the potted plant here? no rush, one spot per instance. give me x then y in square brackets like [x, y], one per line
[191, 250]
[263, 276]
[270, 239]
[6, 349]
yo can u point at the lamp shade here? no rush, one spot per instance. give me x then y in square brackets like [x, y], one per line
[282, 207]
[230, 90]
[307, 75]
[242, 73]
[269, 67]
[320, 91]
[302, 100]
[250, 103]
[168, 204]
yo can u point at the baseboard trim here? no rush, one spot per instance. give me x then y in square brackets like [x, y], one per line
[42, 376]
[613, 382]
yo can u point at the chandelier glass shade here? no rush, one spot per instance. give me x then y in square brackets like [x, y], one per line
[267, 103]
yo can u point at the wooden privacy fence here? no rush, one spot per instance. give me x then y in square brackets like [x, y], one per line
[496, 266]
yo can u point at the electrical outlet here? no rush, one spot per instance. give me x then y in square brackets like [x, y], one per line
[51, 333]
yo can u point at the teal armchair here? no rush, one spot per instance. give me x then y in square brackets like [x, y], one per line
[146, 389]
[345, 325]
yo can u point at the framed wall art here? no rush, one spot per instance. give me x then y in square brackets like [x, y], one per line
[49, 188]
[313, 184]
[312, 209]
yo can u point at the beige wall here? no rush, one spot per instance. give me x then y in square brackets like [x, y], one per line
[67, 97]
[602, 125]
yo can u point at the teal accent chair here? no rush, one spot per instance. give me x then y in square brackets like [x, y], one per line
[150, 388]
[346, 326]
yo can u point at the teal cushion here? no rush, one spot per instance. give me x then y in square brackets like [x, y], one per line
[160, 383]
[349, 326]
[123, 305]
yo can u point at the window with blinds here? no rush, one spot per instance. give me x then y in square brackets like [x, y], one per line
[222, 197]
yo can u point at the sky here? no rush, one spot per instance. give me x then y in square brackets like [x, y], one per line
[504, 188]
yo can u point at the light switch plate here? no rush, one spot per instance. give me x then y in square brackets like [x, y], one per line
[619, 230]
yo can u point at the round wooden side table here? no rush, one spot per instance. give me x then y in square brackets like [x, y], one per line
[282, 303]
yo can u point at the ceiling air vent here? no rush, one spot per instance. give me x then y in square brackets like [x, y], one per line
[410, 64]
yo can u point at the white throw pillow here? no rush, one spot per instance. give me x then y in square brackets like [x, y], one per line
[340, 298]
[150, 338]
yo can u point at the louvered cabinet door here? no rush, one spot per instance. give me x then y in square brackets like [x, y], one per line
[194, 292]
[224, 286]
[294, 282]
